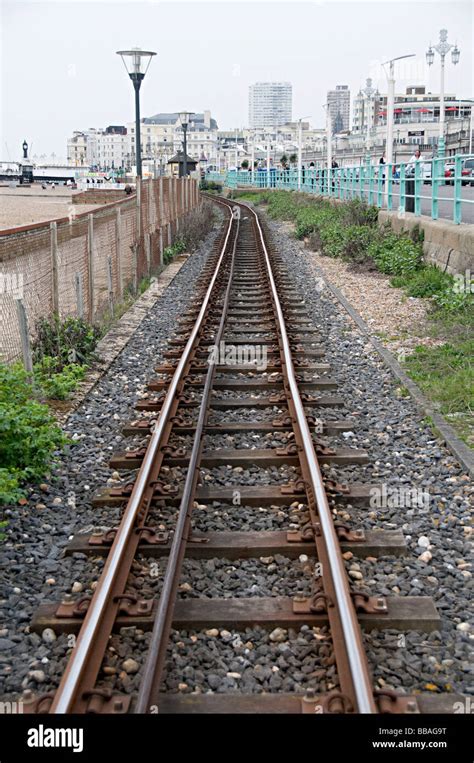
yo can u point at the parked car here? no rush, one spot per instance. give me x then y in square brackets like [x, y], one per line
[467, 172]
[449, 173]
[425, 171]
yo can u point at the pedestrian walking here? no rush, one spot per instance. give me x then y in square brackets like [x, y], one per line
[382, 168]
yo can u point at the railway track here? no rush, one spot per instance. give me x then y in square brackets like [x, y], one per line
[245, 364]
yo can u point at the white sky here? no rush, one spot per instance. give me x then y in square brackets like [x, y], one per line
[59, 71]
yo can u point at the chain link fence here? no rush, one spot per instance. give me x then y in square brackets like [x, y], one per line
[81, 266]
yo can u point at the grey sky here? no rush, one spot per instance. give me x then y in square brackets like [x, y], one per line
[59, 71]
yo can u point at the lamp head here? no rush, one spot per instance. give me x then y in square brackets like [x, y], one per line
[136, 62]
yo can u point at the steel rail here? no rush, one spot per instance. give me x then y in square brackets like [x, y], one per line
[352, 634]
[150, 685]
[67, 690]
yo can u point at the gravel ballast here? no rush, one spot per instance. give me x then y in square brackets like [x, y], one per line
[403, 452]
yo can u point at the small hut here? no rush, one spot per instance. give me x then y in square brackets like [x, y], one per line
[176, 164]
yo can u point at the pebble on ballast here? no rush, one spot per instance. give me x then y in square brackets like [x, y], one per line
[423, 541]
[278, 635]
[48, 636]
[212, 632]
[356, 575]
[77, 587]
[425, 557]
[37, 675]
[463, 627]
[130, 666]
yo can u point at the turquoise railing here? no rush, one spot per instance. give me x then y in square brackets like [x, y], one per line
[419, 187]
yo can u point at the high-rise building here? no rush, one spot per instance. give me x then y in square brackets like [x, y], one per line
[269, 104]
[339, 103]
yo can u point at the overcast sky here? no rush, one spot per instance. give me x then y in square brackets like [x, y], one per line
[59, 71]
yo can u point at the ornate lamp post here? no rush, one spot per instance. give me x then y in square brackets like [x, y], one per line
[369, 92]
[136, 62]
[442, 49]
[184, 117]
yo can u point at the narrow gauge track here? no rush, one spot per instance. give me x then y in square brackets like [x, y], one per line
[244, 299]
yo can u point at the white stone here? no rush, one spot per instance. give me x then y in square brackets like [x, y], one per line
[279, 634]
[463, 627]
[131, 666]
[48, 636]
[77, 587]
[37, 675]
[212, 632]
[425, 557]
[423, 541]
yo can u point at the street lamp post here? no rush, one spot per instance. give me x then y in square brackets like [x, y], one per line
[328, 145]
[184, 117]
[252, 159]
[442, 49]
[268, 161]
[390, 108]
[368, 92]
[136, 62]
[300, 151]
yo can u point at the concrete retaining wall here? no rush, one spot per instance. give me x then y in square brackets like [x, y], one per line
[446, 245]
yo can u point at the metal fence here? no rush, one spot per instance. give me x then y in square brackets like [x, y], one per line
[435, 187]
[81, 265]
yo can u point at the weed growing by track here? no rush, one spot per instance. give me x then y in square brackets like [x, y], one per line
[29, 435]
[348, 231]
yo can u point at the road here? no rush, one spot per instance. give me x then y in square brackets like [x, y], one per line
[445, 205]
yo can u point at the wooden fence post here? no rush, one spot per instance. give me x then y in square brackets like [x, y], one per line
[79, 295]
[24, 335]
[90, 257]
[148, 252]
[54, 266]
[162, 203]
[110, 284]
[161, 247]
[118, 244]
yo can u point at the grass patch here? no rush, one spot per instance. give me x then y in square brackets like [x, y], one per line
[349, 232]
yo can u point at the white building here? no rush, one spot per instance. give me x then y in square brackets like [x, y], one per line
[162, 137]
[77, 150]
[270, 104]
[415, 118]
[112, 148]
[106, 149]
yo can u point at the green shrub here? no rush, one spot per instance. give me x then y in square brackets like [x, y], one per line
[28, 433]
[54, 384]
[358, 212]
[178, 247]
[356, 240]
[394, 254]
[72, 340]
[9, 487]
[332, 240]
[210, 185]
